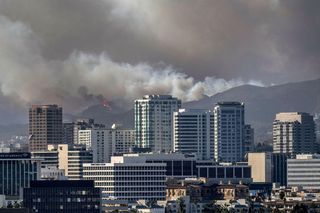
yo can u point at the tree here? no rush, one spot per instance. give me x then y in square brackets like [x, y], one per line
[182, 206]
[282, 195]
[300, 208]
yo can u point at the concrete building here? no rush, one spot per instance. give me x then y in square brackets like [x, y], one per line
[261, 166]
[153, 122]
[45, 126]
[248, 138]
[128, 178]
[85, 138]
[193, 133]
[229, 132]
[64, 157]
[123, 140]
[84, 124]
[304, 171]
[107, 142]
[294, 133]
[16, 172]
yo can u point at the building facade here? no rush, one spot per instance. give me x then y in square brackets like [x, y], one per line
[16, 172]
[193, 133]
[68, 133]
[229, 132]
[153, 122]
[45, 126]
[261, 166]
[294, 133]
[65, 157]
[128, 178]
[304, 171]
[62, 196]
[248, 138]
[279, 168]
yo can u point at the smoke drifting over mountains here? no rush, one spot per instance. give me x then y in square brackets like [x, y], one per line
[84, 78]
[76, 53]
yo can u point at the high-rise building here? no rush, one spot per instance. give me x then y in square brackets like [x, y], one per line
[68, 133]
[294, 133]
[128, 177]
[62, 196]
[16, 172]
[261, 166]
[107, 142]
[229, 131]
[304, 171]
[153, 121]
[193, 133]
[248, 138]
[84, 124]
[279, 168]
[45, 126]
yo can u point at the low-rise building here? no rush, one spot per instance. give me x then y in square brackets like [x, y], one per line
[62, 196]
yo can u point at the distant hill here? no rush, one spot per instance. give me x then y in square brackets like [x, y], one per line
[261, 105]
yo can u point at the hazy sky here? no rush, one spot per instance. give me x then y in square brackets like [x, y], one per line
[74, 52]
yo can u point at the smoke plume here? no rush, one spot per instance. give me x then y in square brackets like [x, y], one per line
[85, 78]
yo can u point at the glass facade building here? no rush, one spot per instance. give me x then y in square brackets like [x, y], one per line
[62, 196]
[16, 172]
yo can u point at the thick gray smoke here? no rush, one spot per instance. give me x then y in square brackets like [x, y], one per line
[84, 78]
[76, 53]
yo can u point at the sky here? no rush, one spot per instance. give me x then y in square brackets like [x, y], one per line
[77, 53]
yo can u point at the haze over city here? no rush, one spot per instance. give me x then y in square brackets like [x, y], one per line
[78, 53]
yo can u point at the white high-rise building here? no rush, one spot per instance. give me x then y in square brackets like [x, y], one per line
[107, 142]
[229, 132]
[153, 122]
[84, 138]
[128, 177]
[294, 133]
[193, 133]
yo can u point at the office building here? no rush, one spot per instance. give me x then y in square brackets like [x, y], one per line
[128, 178]
[45, 126]
[304, 171]
[85, 138]
[16, 172]
[177, 165]
[64, 157]
[122, 139]
[68, 133]
[229, 132]
[107, 142]
[248, 138]
[84, 124]
[279, 168]
[180, 166]
[225, 172]
[193, 133]
[71, 160]
[62, 196]
[261, 166]
[153, 122]
[294, 133]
